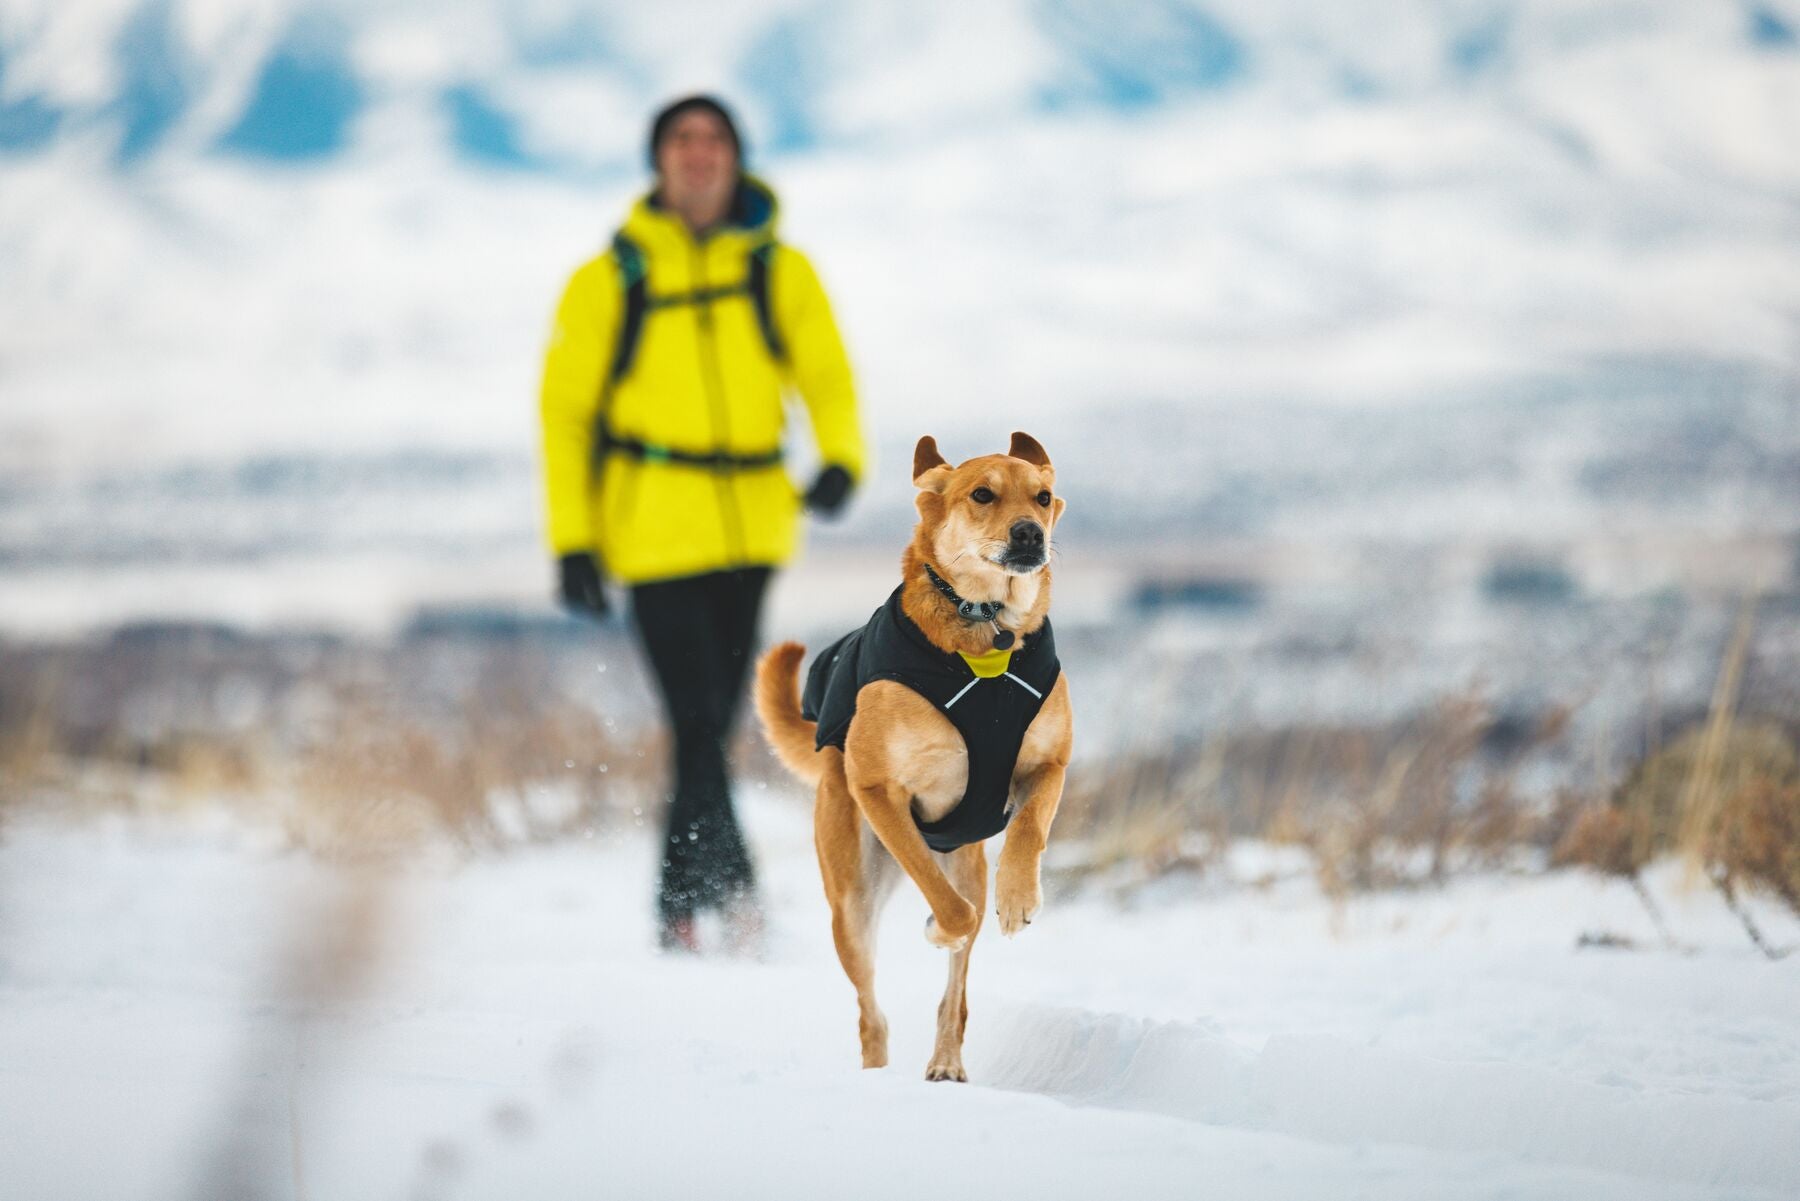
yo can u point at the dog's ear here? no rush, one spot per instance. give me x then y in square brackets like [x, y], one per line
[1024, 446]
[930, 472]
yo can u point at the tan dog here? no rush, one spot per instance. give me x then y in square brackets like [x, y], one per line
[904, 773]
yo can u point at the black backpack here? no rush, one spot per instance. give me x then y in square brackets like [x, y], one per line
[639, 303]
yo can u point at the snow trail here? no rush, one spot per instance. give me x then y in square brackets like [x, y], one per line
[1332, 1090]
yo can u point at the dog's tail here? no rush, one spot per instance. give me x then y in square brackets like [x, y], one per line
[778, 704]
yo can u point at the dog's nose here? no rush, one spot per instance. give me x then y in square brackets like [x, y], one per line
[1027, 535]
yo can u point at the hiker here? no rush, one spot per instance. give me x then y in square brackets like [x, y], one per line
[662, 408]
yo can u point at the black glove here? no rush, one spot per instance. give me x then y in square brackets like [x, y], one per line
[829, 491]
[579, 585]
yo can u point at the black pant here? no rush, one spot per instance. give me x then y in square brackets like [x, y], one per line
[699, 633]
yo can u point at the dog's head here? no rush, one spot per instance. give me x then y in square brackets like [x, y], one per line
[995, 510]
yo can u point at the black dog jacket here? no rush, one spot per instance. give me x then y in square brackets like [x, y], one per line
[991, 713]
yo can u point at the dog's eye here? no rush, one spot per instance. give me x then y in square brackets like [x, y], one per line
[982, 496]
[1044, 499]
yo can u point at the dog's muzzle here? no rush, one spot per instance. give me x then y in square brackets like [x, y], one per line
[1025, 549]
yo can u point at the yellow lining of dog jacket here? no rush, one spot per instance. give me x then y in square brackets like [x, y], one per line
[989, 665]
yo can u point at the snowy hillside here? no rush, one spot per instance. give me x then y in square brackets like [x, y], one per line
[271, 260]
[1155, 201]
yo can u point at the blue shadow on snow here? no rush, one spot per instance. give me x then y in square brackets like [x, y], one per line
[1769, 30]
[784, 71]
[26, 123]
[1137, 59]
[304, 100]
[483, 133]
[1480, 48]
[156, 80]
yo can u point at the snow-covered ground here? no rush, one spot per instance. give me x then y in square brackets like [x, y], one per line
[178, 1018]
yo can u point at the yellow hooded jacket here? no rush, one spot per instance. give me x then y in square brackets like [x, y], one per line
[703, 381]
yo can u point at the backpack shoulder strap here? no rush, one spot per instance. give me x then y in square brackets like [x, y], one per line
[634, 284]
[756, 280]
[630, 260]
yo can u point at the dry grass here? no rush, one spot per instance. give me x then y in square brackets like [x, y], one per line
[501, 774]
[1725, 794]
[1757, 838]
[359, 748]
[1671, 813]
[1375, 807]
[1412, 804]
[1607, 839]
[1397, 817]
[350, 749]
[1613, 842]
[1742, 828]
[1148, 815]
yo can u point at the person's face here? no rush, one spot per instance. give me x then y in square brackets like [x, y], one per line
[695, 161]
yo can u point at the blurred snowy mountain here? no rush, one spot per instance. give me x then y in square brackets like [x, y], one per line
[277, 274]
[562, 85]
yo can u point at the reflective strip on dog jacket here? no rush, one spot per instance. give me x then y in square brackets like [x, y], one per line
[990, 713]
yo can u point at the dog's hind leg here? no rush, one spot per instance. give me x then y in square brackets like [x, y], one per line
[967, 869]
[857, 873]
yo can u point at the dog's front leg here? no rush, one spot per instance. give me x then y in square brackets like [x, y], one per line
[1043, 762]
[888, 809]
[1018, 892]
[894, 731]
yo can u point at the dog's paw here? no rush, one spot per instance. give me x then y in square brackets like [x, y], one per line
[1017, 899]
[947, 1069]
[938, 936]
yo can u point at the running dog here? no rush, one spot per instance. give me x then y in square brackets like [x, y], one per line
[932, 727]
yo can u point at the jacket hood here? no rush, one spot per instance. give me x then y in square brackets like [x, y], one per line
[753, 214]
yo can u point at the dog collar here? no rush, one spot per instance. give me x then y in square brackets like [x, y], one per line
[970, 610]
